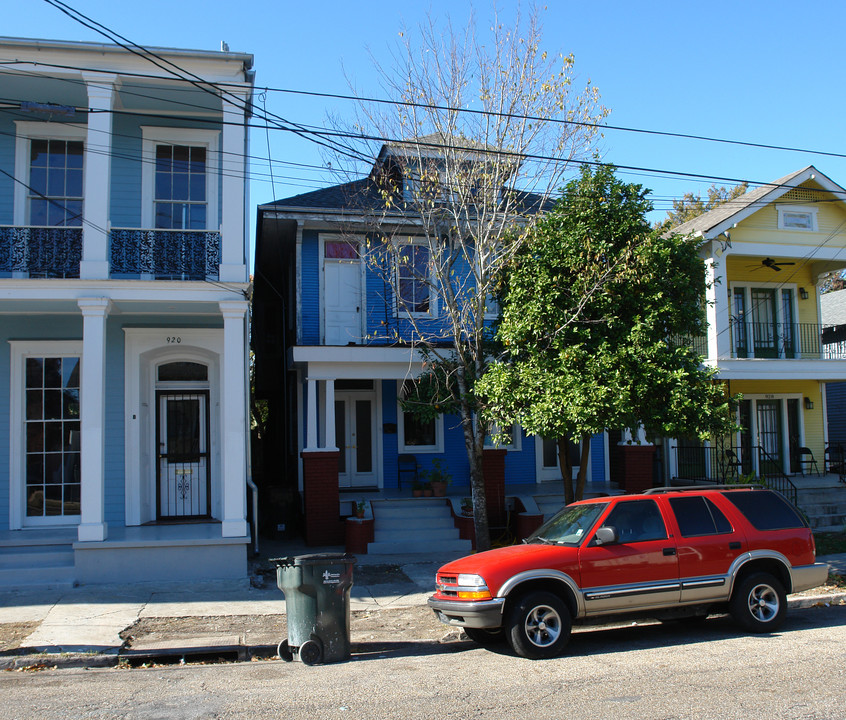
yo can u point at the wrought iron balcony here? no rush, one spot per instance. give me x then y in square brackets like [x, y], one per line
[40, 252]
[165, 254]
[776, 340]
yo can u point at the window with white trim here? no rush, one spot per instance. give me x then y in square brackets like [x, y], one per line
[49, 163]
[180, 178]
[45, 433]
[797, 217]
[514, 442]
[415, 435]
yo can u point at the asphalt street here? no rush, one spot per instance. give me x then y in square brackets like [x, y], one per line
[667, 671]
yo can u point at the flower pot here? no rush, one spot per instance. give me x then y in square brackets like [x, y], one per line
[417, 493]
[427, 492]
[439, 488]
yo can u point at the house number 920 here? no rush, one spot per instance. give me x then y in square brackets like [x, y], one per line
[174, 339]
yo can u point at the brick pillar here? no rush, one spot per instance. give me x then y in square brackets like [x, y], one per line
[636, 465]
[321, 499]
[493, 467]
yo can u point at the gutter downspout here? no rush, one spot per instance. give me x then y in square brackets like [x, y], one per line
[253, 487]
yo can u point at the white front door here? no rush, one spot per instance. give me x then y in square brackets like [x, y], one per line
[342, 301]
[356, 439]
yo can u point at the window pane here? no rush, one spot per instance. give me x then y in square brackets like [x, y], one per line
[164, 217]
[198, 188]
[417, 431]
[38, 212]
[341, 250]
[38, 181]
[198, 217]
[38, 153]
[74, 183]
[55, 214]
[183, 372]
[180, 158]
[766, 510]
[180, 186]
[56, 154]
[56, 182]
[34, 372]
[74, 158]
[163, 189]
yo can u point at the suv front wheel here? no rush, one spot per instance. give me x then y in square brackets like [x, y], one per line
[759, 603]
[538, 625]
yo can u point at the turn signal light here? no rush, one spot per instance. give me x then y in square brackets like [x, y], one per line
[474, 594]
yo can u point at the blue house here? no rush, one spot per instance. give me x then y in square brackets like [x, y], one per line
[123, 313]
[333, 349]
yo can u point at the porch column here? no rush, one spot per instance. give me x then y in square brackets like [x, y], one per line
[233, 415]
[97, 168]
[311, 415]
[233, 264]
[92, 411]
[329, 414]
[717, 311]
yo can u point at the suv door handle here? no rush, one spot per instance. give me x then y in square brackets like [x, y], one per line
[669, 551]
[735, 545]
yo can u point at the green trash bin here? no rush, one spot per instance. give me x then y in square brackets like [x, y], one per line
[317, 601]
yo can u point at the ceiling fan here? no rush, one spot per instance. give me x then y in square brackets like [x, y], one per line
[773, 265]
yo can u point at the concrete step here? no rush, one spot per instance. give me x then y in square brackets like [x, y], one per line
[417, 523]
[41, 556]
[420, 546]
[398, 509]
[380, 535]
[37, 577]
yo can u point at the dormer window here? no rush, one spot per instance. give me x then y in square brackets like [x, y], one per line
[797, 217]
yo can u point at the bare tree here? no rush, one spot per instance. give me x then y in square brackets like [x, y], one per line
[482, 130]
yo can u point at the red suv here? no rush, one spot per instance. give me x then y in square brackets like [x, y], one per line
[677, 551]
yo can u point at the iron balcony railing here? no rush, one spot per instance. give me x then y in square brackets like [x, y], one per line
[40, 252]
[776, 340]
[165, 254]
[732, 464]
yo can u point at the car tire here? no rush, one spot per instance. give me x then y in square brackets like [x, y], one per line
[759, 603]
[538, 625]
[485, 637]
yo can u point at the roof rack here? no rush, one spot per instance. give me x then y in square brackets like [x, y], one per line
[700, 488]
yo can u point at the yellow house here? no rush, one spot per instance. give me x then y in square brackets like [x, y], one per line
[766, 253]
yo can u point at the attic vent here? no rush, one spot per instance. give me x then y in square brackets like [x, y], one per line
[802, 195]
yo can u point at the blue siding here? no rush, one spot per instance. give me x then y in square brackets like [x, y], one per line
[7, 163]
[5, 355]
[597, 455]
[126, 172]
[114, 432]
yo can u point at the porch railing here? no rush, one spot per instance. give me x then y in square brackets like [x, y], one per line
[165, 254]
[724, 465]
[40, 252]
[776, 340]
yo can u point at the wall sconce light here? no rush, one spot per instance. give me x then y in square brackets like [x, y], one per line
[803, 293]
[809, 404]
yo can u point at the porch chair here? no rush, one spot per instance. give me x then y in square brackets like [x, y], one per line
[733, 466]
[807, 459]
[833, 459]
[407, 469]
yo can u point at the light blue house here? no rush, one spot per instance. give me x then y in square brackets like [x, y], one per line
[123, 313]
[333, 351]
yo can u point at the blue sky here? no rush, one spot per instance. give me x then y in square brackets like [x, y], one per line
[761, 72]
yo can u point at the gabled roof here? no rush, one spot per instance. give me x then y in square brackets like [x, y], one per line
[714, 222]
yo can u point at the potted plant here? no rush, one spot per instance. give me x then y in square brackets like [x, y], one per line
[438, 477]
[417, 489]
[427, 489]
[359, 508]
[466, 506]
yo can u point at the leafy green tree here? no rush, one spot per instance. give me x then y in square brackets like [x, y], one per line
[692, 206]
[596, 316]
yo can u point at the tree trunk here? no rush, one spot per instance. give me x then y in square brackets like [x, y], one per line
[566, 468]
[474, 444]
[583, 468]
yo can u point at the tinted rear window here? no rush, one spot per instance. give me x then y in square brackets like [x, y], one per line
[766, 510]
[697, 516]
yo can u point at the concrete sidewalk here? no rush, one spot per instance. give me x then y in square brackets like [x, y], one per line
[83, 625]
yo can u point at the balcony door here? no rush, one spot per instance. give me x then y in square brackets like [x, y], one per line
[342, 297]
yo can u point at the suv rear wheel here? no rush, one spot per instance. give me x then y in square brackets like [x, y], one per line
[538, 625]
[759, 603]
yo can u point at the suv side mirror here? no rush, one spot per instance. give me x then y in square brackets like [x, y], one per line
[606, 535]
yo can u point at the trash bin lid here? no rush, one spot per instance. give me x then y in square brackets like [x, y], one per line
[314, 559]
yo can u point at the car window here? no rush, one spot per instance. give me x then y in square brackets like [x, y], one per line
[766, 510]
[570, 526]
[637, 521]
[696, 516]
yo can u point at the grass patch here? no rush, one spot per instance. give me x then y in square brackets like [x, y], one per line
[830, 543]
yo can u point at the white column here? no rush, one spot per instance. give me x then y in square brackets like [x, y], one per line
[717, 311]
[234, 427]
[329, 395]
[311, 415]
[233, 267]
[97, 170]
[638, 437]
[92, 411]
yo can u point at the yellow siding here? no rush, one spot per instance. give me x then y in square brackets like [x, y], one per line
[749, 271]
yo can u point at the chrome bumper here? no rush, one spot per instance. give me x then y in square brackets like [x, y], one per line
[806, 577]
[483, 614]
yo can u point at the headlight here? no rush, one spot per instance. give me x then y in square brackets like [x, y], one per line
[471, 580]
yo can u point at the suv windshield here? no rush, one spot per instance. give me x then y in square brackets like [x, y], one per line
[570, 526]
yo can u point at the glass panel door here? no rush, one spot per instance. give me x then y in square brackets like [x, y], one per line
[764, 329]
[738, 323]
[770, 436]
[356, 439]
